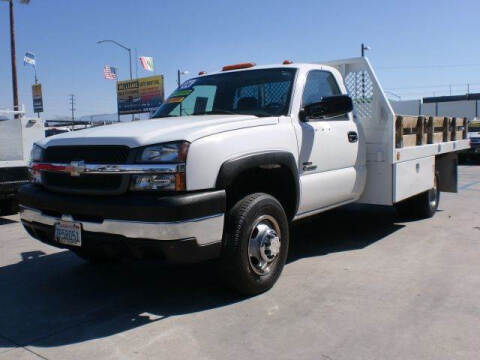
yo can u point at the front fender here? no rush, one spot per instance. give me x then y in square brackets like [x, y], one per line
[231, 168]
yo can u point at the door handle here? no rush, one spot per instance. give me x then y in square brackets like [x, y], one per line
[352, 136]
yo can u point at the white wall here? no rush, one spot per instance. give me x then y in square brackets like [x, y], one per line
[406, 107]
[464, 108]
[428, 109]
[11, 140]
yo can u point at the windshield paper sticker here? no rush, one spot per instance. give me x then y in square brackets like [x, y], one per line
[183, 93]
[175, 100]
[188, 84]
[178, 96]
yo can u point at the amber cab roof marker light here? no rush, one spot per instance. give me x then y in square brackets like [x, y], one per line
[238, 66]
[202, 73]
[287, 62]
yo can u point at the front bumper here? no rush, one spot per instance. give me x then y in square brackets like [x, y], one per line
[474, 147]
[11, 178]
[170, 223]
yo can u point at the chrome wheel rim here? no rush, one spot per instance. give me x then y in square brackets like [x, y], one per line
[432, 194]
[264, 244]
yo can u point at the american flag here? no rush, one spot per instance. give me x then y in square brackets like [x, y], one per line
[110, 72]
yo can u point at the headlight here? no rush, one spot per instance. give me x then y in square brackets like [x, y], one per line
[174, 152]
[36, 154]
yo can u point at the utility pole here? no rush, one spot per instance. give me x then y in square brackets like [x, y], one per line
[14, 58]
[72, 105]
[16, 106]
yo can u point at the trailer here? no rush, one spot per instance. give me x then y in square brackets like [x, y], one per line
[17, 135]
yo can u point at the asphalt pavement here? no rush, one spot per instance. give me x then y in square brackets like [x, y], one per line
[359, 284]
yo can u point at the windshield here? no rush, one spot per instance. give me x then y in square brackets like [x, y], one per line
[474, 129]
[264, 92]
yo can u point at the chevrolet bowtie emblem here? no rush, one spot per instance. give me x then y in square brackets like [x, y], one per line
[76, 168]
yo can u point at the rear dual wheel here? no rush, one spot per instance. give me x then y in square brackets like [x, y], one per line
[255, 244]
[421, 206]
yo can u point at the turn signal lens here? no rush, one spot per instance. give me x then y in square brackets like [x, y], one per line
[166, 182]
[153, 182]
[180, 182]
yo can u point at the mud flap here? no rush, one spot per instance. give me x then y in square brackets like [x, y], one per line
[446, 168]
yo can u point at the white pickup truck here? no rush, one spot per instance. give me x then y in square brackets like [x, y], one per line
[230, 159]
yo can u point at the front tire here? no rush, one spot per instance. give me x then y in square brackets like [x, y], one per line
[93, 257]
[255, 244]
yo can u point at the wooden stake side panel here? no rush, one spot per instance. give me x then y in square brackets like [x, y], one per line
[422, 130]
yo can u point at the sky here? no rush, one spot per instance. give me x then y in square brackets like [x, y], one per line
[418, 47]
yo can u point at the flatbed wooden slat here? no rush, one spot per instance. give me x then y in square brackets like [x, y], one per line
[421, 130]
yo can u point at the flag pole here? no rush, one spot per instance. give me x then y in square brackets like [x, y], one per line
[136, 63]
[36, 82]
[118, 107]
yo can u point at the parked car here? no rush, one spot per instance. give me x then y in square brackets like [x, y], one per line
[474, 136]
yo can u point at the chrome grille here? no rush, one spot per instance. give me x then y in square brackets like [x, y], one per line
[98, 154]
[86, 183]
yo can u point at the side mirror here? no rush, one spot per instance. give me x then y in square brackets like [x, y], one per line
[329, 107]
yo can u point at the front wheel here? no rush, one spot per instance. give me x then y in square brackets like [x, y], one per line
[255, 244]
[93, 257]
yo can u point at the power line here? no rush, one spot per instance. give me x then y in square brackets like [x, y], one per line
[425, 66]
[432, 86]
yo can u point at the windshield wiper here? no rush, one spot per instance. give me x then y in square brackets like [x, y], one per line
[261, 115]
[220, 111]
[163, 116]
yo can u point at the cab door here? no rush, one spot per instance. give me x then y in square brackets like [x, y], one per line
[328, 150]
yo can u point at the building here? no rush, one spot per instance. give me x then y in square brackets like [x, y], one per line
[456, 105]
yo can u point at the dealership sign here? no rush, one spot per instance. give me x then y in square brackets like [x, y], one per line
[37, 98]
[140, 95]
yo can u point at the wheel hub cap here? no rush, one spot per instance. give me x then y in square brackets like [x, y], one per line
[432, 195]
[264, 244]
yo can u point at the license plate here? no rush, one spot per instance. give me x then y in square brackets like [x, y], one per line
[68, 233]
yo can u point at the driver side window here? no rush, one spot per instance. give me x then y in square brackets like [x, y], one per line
[319, 84]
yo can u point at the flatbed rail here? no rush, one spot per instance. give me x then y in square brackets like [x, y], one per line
[423, 130]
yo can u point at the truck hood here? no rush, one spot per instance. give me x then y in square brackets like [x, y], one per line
[147, 132]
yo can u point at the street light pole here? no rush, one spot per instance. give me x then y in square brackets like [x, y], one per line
[123, 47]
[180, 73]
[364, 48]
[129, 60]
